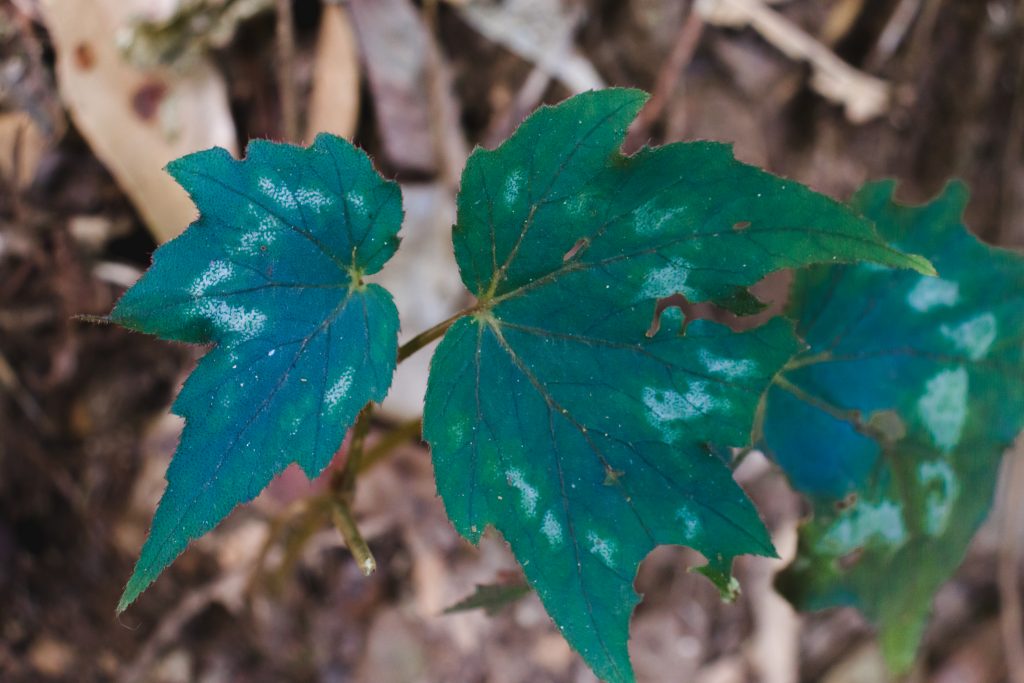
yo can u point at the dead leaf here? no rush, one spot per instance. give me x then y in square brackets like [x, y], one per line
[22, 145]
[413, 101]
[334, 103]
[539, 31]
[136, 120]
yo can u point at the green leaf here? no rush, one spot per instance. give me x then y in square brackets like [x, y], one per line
[894, 420]
[271, 274]
[492, 598]
[551, 415]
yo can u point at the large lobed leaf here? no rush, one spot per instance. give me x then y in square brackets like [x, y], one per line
[894, 420]
[552, 415]
[271, 274]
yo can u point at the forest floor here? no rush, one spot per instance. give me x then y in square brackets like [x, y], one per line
[85, 434]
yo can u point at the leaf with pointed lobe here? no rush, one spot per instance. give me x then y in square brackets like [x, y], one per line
[894, 420]
[271, 275]
[552, 416]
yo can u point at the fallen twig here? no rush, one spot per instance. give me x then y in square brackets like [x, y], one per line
[863, 97]
[286, 70]
[669, 76]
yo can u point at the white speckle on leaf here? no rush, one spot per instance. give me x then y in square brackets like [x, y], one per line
[649, 218]
[668, 280]
[665, 406]
[339, 390]
[357, 201]
[938, 502]
[581, 205]
[865, 521]
[943, 407]
[513, 186]
[974, 337]
[603, 548]
[931, 292]
[690, 520]
[279, 193]
[271, 352]
[312, 198]
[528, 494]
[264, 234]
[457, 430]
[227, 318]
[218, 272]
[551, 529]
[727, 367]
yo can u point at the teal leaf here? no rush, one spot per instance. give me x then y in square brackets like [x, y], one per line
[894, 419]
[552, 415]
[271, 275]
[492, 598]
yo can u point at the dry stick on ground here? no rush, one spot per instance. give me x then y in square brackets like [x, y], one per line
[286, 70]
[450, 147]
[1009, 563]
[434, 95]
[532, 90]
[892, 36]
[920, 43]
[863, 97]
[669, 76]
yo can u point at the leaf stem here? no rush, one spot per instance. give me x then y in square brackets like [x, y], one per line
[341, 515]
[424, 338]
[343, 482]
[394, 438]
[342, 492]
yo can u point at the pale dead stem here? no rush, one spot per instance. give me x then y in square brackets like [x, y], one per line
[863, 97]
[285, 34]
[669, 77]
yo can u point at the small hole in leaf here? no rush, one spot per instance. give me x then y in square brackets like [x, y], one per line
[263, 247]
[690, 311]
[581, 244]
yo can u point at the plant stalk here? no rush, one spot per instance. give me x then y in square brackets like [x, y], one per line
[394, 438]
[424, 338]
[341, 515]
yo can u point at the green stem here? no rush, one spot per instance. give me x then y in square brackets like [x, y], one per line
[342, 486]
[394, 438]
[343, 482]
[342, 493]
[424, 338]
[341, 515]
